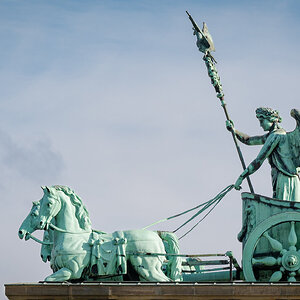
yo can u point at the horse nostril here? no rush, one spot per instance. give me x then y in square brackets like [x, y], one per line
[41, 223]
[21, 234]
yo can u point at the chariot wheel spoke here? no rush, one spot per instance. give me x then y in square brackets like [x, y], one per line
[265, 261]
[276, 276]
[276, 245]
[292, 239]
[291, 277]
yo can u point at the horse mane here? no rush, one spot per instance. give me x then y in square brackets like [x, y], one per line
[81, 212]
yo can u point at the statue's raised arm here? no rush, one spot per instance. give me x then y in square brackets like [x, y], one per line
[245, 138]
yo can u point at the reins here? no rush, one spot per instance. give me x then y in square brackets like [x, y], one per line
[72, 232]
[210, 204]
[66, 231]
[53, 227]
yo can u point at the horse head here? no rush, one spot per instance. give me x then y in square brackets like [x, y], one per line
[50, 206]
[30, 223]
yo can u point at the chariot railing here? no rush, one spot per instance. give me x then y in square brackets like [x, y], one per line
[204, 267]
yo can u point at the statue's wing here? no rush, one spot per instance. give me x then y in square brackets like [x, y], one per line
[294, 138]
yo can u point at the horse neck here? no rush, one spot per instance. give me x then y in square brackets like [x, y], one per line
[66, 218]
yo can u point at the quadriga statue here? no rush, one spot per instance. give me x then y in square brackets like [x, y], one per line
[77, 252]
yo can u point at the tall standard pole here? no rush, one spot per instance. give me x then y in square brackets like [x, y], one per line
[205, 45]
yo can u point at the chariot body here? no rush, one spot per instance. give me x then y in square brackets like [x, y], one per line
[270, 232]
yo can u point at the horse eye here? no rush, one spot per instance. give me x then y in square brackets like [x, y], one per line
[49, 204]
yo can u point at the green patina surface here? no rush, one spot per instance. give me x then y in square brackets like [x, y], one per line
[76, 251]
[271, 251]
[281, 148]
[270, 233]
[270, 229]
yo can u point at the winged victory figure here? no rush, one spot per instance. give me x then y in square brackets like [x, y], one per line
[281, 148]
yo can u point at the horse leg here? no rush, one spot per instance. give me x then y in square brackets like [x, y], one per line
[148, 268]
[69, 267]
[63, 274]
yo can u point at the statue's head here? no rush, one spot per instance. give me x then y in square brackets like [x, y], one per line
[267, 117]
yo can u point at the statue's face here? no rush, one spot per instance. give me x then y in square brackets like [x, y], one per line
[265, 124]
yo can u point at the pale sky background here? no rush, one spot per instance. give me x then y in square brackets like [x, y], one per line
[112, 98]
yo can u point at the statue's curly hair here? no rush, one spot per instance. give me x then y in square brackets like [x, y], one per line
[268, 113]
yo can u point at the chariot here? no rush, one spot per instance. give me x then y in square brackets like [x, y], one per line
[271, 251]
[271, 248]
[270, 237]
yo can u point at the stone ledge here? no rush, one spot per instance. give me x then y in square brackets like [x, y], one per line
[147, 291]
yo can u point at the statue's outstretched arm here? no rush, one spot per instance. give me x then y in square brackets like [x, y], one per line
[270, 144]
[245, 138]
[250, 140]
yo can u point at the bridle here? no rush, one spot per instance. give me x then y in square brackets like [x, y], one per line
[53, 227]
[38, 240]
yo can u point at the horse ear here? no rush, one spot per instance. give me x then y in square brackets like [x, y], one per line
[45, 189]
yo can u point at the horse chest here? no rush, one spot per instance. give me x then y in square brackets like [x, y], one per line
[71, 243]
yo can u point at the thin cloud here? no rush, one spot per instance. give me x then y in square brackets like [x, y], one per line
[37, 161]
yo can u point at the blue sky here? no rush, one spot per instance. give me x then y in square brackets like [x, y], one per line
[112, 99]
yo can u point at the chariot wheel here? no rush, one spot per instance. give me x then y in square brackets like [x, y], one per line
[272, 251]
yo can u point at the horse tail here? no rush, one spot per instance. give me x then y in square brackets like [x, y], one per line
[171, 246]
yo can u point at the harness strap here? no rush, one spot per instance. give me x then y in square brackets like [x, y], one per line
[60, 230]
[39, 241]
[66, 231]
